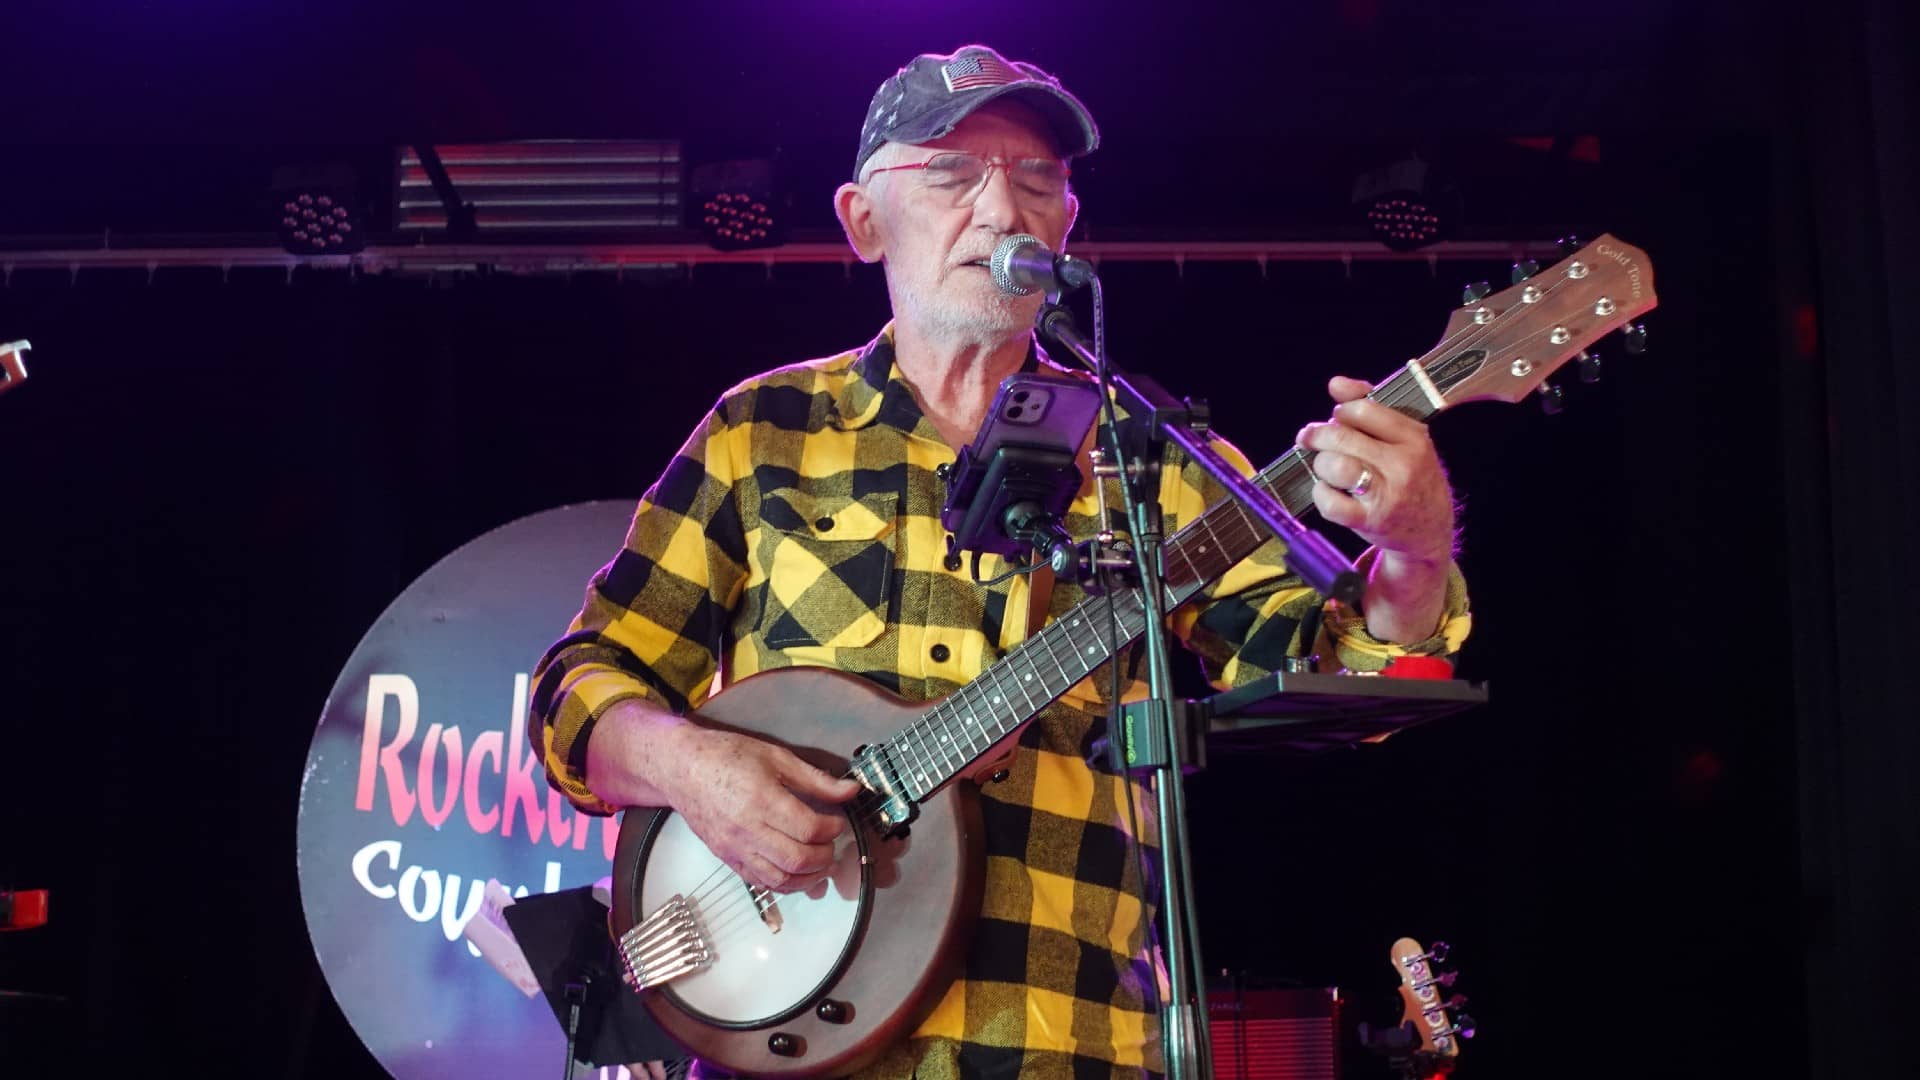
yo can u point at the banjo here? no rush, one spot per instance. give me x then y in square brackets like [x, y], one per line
[821, 982]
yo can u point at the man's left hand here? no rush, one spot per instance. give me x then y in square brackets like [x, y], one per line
[1377, 473]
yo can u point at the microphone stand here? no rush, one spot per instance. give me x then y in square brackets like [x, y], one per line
[1154, 419]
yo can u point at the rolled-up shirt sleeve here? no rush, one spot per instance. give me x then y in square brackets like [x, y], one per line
[1259, 613]
[652, 618]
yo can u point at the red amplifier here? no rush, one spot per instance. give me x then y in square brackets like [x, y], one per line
[1274, 1034]
[23, 910]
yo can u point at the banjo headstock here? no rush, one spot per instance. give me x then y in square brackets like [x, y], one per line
[1502, 346]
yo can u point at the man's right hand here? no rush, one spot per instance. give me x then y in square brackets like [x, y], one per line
[754, 804]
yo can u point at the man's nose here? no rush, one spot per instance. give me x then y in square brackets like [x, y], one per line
[996, 208]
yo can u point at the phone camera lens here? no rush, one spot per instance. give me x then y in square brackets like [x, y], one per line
[1014, 411]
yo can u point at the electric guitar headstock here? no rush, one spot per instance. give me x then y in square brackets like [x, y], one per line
[13, 364]
[1502, 346]
[1431, 1010]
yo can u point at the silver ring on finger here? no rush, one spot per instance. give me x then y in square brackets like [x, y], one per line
[1363, 485]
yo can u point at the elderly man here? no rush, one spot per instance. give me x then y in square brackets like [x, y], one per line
[832, 463]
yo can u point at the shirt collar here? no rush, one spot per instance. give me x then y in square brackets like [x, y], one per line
[874, 390]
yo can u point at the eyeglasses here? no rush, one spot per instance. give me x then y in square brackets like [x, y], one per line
[1037, 183]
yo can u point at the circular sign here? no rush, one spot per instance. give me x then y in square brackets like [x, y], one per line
[421, 788]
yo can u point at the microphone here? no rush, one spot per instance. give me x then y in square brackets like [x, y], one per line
[1021, 265]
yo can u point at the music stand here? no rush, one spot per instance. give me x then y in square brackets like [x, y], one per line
[564, 936]
[1301, 712]
[1309, 712]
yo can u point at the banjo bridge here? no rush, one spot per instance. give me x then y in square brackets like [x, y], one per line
[767, 904]
[664, 946]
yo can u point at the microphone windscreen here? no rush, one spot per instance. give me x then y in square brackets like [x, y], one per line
[1000, 265]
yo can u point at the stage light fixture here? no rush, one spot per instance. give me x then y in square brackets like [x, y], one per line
[541, 189]
[317, 210]
[1404, 206]
[735, 204]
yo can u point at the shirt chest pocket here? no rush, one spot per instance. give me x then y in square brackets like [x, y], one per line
[828, 562]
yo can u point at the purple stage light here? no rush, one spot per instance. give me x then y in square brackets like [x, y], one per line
[316, 207]
[1404, 207]
[738, 203]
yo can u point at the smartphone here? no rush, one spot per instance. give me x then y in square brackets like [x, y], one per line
[1027, 453]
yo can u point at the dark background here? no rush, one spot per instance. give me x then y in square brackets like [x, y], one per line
[1681, 838]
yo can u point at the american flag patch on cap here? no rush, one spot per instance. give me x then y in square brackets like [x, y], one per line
[977, 70]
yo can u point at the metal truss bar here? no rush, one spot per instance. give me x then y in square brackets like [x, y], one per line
[573, 257]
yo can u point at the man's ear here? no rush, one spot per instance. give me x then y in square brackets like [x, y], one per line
[854, 205]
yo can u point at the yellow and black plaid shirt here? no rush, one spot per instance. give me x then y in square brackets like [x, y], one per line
[800, 525]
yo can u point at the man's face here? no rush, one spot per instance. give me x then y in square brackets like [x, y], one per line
[936, 252]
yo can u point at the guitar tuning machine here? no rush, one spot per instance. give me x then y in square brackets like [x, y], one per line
[1524, 269]
[1589, 363]
[1552, 399]
[1443, 979]
[1636, 338]
[1475, 293]
[1437, 954]
[1463, 1026]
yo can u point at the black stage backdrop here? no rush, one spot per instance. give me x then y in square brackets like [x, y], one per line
[1674, 827]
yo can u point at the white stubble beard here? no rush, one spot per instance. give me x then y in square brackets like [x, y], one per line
[987, 318]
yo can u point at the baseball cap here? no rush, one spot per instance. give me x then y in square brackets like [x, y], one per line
[933, 93]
